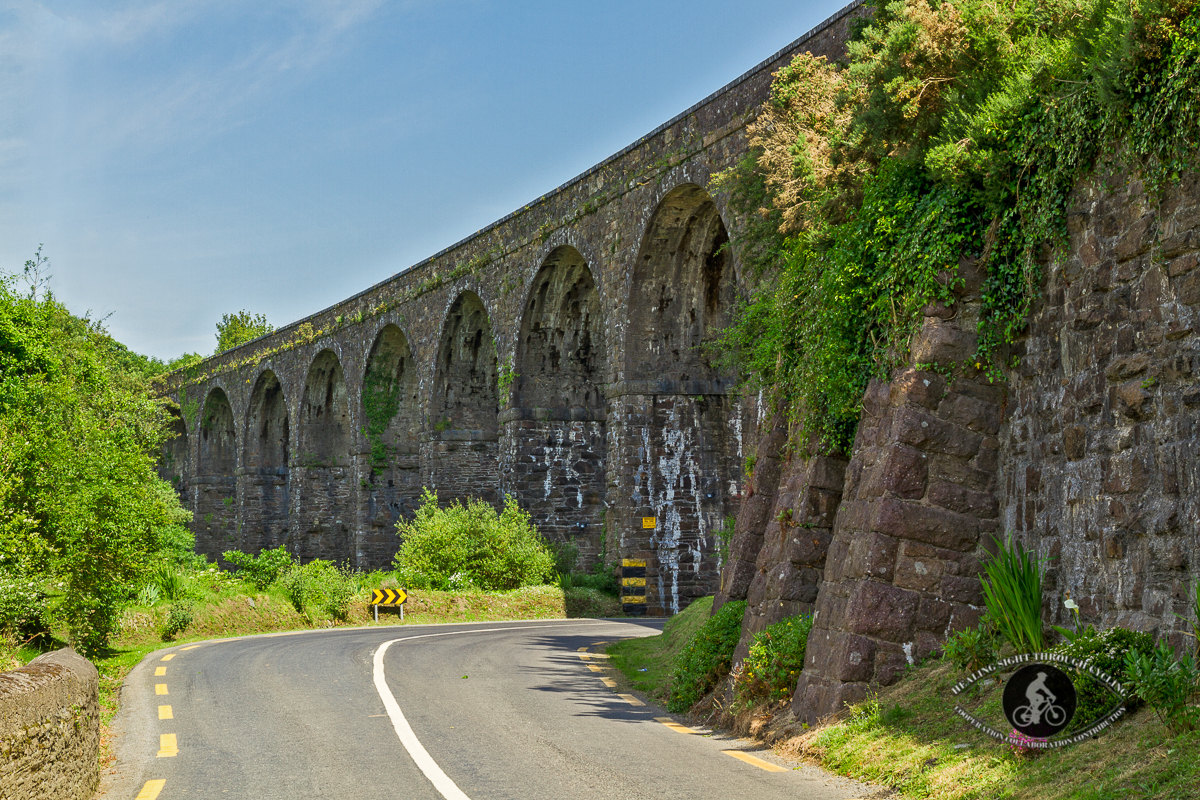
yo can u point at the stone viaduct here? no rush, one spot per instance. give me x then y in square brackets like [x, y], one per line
[559, 355]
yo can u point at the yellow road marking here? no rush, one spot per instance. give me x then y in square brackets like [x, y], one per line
[167, 657]
[160, 671]
[673, 725]
[150, 790]
[594, 668]
[164, 712]
[609, 682]
[584, 648]
[633, 701]
[754, 762]
[193, 647]
[160, 688]
[167, 746]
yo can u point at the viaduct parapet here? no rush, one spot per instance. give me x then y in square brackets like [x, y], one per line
[559, 355]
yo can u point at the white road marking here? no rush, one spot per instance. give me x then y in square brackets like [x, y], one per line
[440, 780]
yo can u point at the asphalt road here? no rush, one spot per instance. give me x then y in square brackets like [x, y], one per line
[491, 710]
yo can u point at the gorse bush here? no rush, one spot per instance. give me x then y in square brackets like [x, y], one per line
[772, 667]
[320, 587]
[261, 570]
[179, 619]
[1107, 651]
[954, 130]
[706, 658]
[489, 550]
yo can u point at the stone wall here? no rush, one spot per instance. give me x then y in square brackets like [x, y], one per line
[1100, 456]
[50, 729]
[1086, 454]
[560, 355]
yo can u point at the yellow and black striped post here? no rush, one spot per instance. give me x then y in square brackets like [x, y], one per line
[633, 585]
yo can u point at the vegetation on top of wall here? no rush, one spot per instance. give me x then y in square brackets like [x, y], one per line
[954, 130]
[239, 328]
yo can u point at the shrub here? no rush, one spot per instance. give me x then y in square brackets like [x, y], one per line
[261, 570]
[773, 665]
[321, 587]
[971, 648]
[1107, 652]
[494, 551]
[178, 546]
[1171, 687]
[149, 595]
[178, 620]
[1013, 592]
[169, 582]
[23, 609]
[706, 657]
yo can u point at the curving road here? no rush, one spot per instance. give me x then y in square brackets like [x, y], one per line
[480, 711]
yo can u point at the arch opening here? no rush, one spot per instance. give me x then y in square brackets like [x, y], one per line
[466, 394]
[173, 454]
[325, 414]
[265, 481]
[218, 442]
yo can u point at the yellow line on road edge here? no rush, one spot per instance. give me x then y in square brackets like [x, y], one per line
[609, 682]
[160, 688]
[167, 657]
[628, 698]
[193, 647]
[754, 762]
[594, 668]
[167, 746]
[673, 725]
[150, 790]
[164, 712]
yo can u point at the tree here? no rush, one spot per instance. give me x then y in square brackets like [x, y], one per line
[82, 511]
[239, 328]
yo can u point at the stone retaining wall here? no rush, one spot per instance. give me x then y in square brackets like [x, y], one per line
[50, 729]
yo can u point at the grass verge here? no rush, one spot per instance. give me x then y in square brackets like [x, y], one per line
[647, 663]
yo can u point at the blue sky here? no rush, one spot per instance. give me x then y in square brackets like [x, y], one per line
[184, 159]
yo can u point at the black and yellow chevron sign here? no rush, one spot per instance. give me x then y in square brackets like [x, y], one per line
[389, 597]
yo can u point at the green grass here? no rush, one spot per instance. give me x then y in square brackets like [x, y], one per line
[909, 737]
[656, 654]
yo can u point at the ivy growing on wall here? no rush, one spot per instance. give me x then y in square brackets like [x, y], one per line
[953, 130]
[381, 402]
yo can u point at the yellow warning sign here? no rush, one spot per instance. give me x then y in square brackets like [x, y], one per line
[649, 522]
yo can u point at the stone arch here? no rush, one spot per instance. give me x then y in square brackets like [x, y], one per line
[465, 391]
[561, 355]
[325, 414]
[683, 437]
[217, 452]
[554, 433]
[265, 473]
[391, 445]
[173, 454]
[684, 290]
[461, 457]
[389, 394]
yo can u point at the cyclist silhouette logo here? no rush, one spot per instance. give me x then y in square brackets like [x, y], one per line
[1039, 700]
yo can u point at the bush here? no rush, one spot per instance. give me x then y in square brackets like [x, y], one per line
[706, 658]
[319, 586]
[169, 582]
[1013, 591]
[1107, 651]
[1170, 687]
[261, 570]
[971, 648]
[773, 665]
[493, 551]
[23, 609]
[178, 546]
[178, 620]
